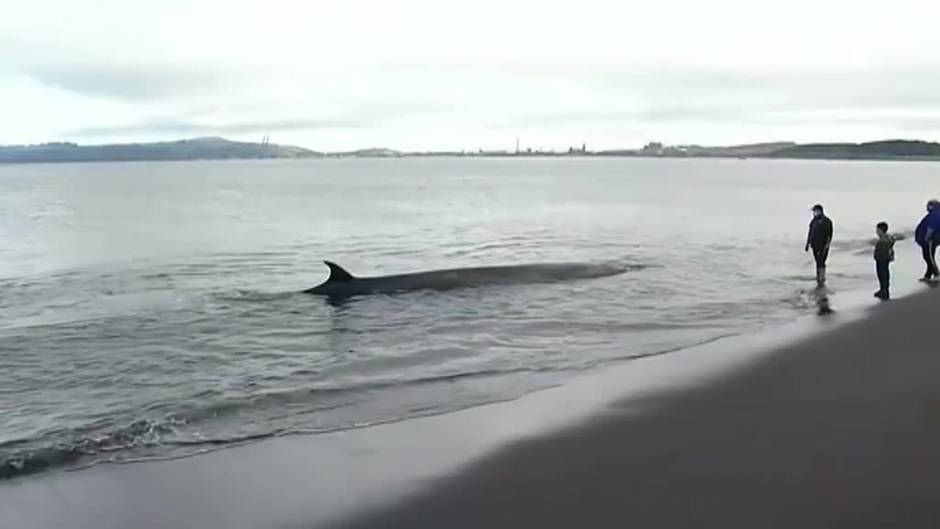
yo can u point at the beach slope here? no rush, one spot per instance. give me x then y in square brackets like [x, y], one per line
[842, 430]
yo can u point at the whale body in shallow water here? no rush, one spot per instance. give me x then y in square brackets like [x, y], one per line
[341, 283]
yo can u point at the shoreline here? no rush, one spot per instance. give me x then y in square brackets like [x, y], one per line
[838, 430]
[847, 299]
[527, 156]
[320, 479]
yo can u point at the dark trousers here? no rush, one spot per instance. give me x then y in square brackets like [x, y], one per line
[930, 249]
[883, 268]
[820, 254]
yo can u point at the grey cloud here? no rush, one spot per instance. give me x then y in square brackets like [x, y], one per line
[730, 115]
[929, 121]
[135, 82]
[244, 127]
[367, 115]
[904, 98]
[372, 112]
[661, 113]
[889, 87]
[567, 118]
[398, 108]
[886, 86]
[53, 63]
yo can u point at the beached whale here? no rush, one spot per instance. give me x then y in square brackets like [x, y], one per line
[341, 283]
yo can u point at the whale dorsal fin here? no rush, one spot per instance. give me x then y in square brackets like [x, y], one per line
[337, 273]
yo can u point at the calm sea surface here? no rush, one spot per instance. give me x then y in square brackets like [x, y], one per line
[152, 309]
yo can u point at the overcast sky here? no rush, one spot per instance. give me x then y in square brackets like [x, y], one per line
[440, 74]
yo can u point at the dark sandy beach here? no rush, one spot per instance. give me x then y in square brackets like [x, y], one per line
[842, 430]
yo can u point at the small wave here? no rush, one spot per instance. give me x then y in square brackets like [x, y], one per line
[143, 432]
[88, 448]
[624, 265]
[280, 398]
[812, 277]
[252, 296]
[168, 438]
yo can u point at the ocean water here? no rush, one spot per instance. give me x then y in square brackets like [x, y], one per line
[152, 310]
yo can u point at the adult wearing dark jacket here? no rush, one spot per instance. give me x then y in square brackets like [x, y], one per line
[819, 239]
[927, 236]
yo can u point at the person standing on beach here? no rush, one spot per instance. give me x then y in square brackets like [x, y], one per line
[884, 254]
[819, 239]
[927, 236]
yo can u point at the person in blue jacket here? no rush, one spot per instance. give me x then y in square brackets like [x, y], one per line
[927, 235]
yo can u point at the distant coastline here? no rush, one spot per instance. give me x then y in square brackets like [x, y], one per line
[212, 148]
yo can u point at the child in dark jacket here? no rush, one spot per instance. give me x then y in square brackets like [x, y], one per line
[884, 254]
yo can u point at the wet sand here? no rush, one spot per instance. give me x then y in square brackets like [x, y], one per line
[842, 430]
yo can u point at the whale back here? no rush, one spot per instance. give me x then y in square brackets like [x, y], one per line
[343, 284]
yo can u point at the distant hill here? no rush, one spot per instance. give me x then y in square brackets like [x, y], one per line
[212, 148]
[194, 149]
[876, 150]
[696, 151]
[754, 149]
[872, 150]
[374, 152]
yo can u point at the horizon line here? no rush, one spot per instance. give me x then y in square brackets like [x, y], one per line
[580, 147]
